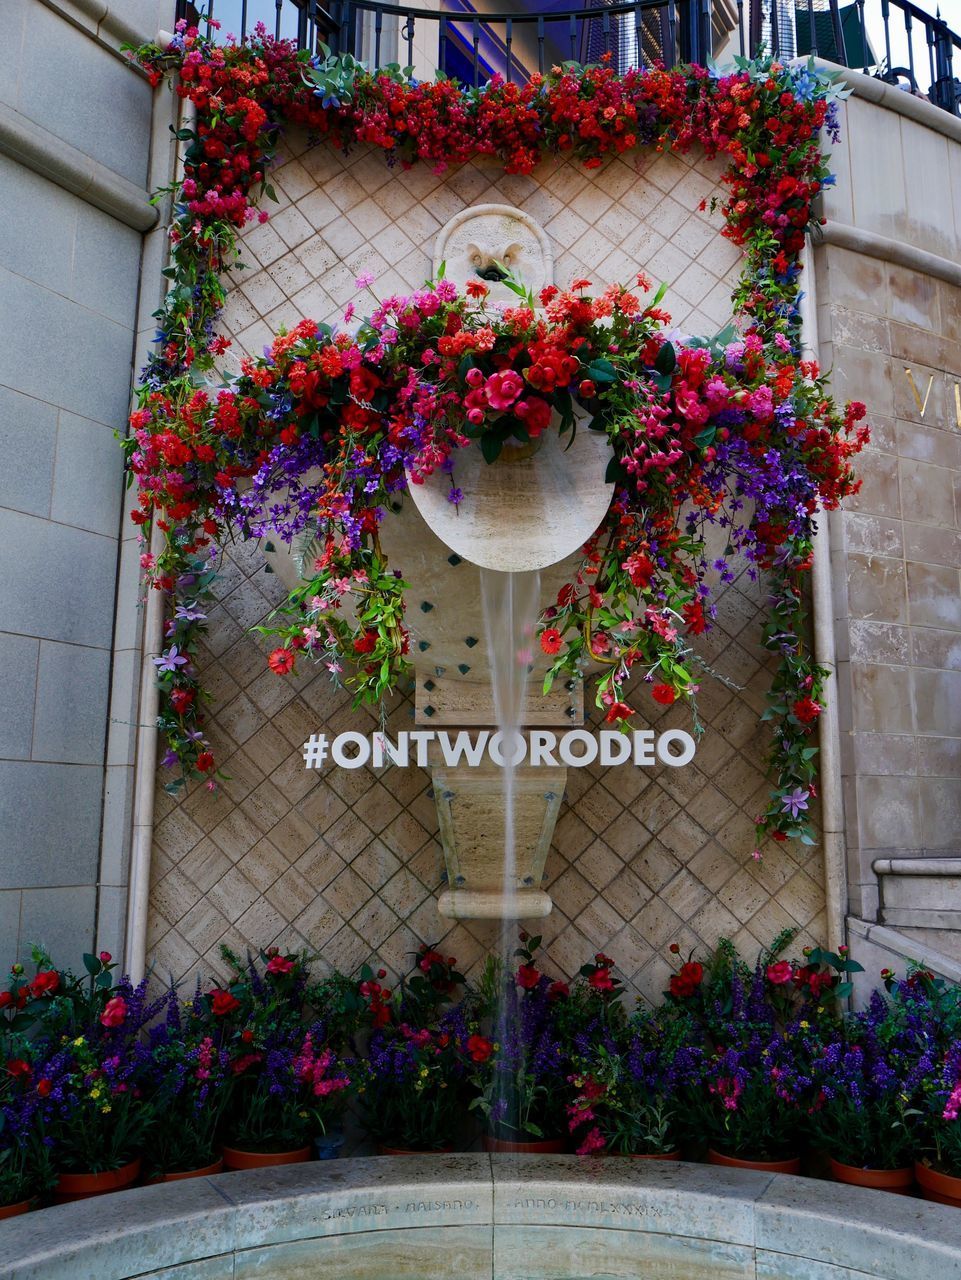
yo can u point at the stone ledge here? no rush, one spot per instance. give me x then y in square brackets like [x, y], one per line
[548, 1215]
[38, 149]
[857, 240]
[887, 96]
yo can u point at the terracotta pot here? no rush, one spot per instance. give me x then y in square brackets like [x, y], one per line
[384, 1150]
[793, 1165]
[545, 1147]
[216, 1167]
[235, 1158]
[14, 1210]
[900, 1181]
[81, 1186]
[945, 1188]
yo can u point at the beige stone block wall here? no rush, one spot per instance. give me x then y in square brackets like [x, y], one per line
[348, 864]
[890, 327]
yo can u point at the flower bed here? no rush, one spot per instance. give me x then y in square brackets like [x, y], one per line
[736, 430]
[758, 1064]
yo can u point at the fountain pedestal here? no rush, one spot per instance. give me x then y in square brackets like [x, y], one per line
[470, 811]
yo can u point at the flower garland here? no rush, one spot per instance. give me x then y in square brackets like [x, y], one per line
[739, 431]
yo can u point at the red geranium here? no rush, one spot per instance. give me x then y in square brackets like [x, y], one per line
[46, 983]
[664, 694]
[528, 977]
[687, 981]
[479, 1048]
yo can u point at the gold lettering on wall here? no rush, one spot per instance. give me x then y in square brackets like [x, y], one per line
[922, 405]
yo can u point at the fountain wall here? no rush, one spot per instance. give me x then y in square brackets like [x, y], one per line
[349, 862]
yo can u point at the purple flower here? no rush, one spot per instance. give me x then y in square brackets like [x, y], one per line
[795, 801]
[170, 660]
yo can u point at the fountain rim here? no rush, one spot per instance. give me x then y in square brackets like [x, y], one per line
[756, 1217]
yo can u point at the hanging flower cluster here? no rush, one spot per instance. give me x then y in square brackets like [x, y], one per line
[738, 431]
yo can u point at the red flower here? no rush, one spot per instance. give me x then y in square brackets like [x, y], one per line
[205, 761]
[551, 641]
[364, 384]
[558, 991]
[686, 982]
[587, 389]
[180, 700]
[366, 643]
[479, 1048]
[45, 983]
[806, 710]
[6, 999]
[17, 1068]
[281, 661]
[780, 973]
[664, 694]
[618, 711]
[601, 980]
[476, 289]
[528, 977]
[223, 1002]
[115, 1012]
[44, 1087]
[279, 964]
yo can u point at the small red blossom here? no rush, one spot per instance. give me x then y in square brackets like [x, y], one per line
[528, 977]
[479, 1048]
[223, 1002]
[664, 694]
[686, 982]
[279, 965]
[551, 641]
[281, 661]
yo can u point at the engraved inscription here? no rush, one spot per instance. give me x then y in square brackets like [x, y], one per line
[356, 1211]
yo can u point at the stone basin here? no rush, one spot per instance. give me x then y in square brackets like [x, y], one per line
[480, 1217]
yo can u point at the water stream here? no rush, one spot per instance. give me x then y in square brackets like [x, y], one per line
[510, 603]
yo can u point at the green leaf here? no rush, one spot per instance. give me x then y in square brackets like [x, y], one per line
[270, 193]
[601, 371]
[491, 447]
[666, 359]
[615, 473]
[91, 964]
[705, 437]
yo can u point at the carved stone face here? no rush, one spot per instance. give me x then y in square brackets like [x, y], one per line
[491, 241]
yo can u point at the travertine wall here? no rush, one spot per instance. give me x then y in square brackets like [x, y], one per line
[348, 863]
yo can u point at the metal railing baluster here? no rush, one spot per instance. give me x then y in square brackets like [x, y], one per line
[908, 28]
[541, 35]
[442, 45]
[475, 32]
[740, 26]
[509, 40]
[672, 28]
[408, 35]
[572, 32]
[886, 19]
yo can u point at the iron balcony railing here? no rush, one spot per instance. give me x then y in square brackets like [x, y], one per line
[894, 40]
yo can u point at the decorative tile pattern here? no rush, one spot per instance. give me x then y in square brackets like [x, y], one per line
[349, 864]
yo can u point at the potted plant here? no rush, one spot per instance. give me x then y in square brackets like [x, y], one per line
[521, 1085]
[862, 1113]
[91, 1075]
[26, 1170]
[753, 1103]
[938, 1171]
[189, 1069]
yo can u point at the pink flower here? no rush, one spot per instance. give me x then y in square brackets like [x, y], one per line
[115, 1012]
[503, 389]
[279, 965]
[780, 973]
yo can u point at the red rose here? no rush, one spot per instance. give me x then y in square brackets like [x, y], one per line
[364, 384]
[779, 974]
[17, 1068]
[44, 1087]
[587, 389]
[479, 1048]
[45, 983]
[551, 641]
[279, 964]
[114, 1013]
[686, 982]
[6, 999]
[105, 957]
[428, 959]
[664, 694]
[281, 661]
[528, 977]
[223, 1002]
[558, 991]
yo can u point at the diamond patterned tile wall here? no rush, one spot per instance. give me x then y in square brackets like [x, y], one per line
[348, 864]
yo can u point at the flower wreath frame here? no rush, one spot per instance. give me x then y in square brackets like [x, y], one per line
[190, 442]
